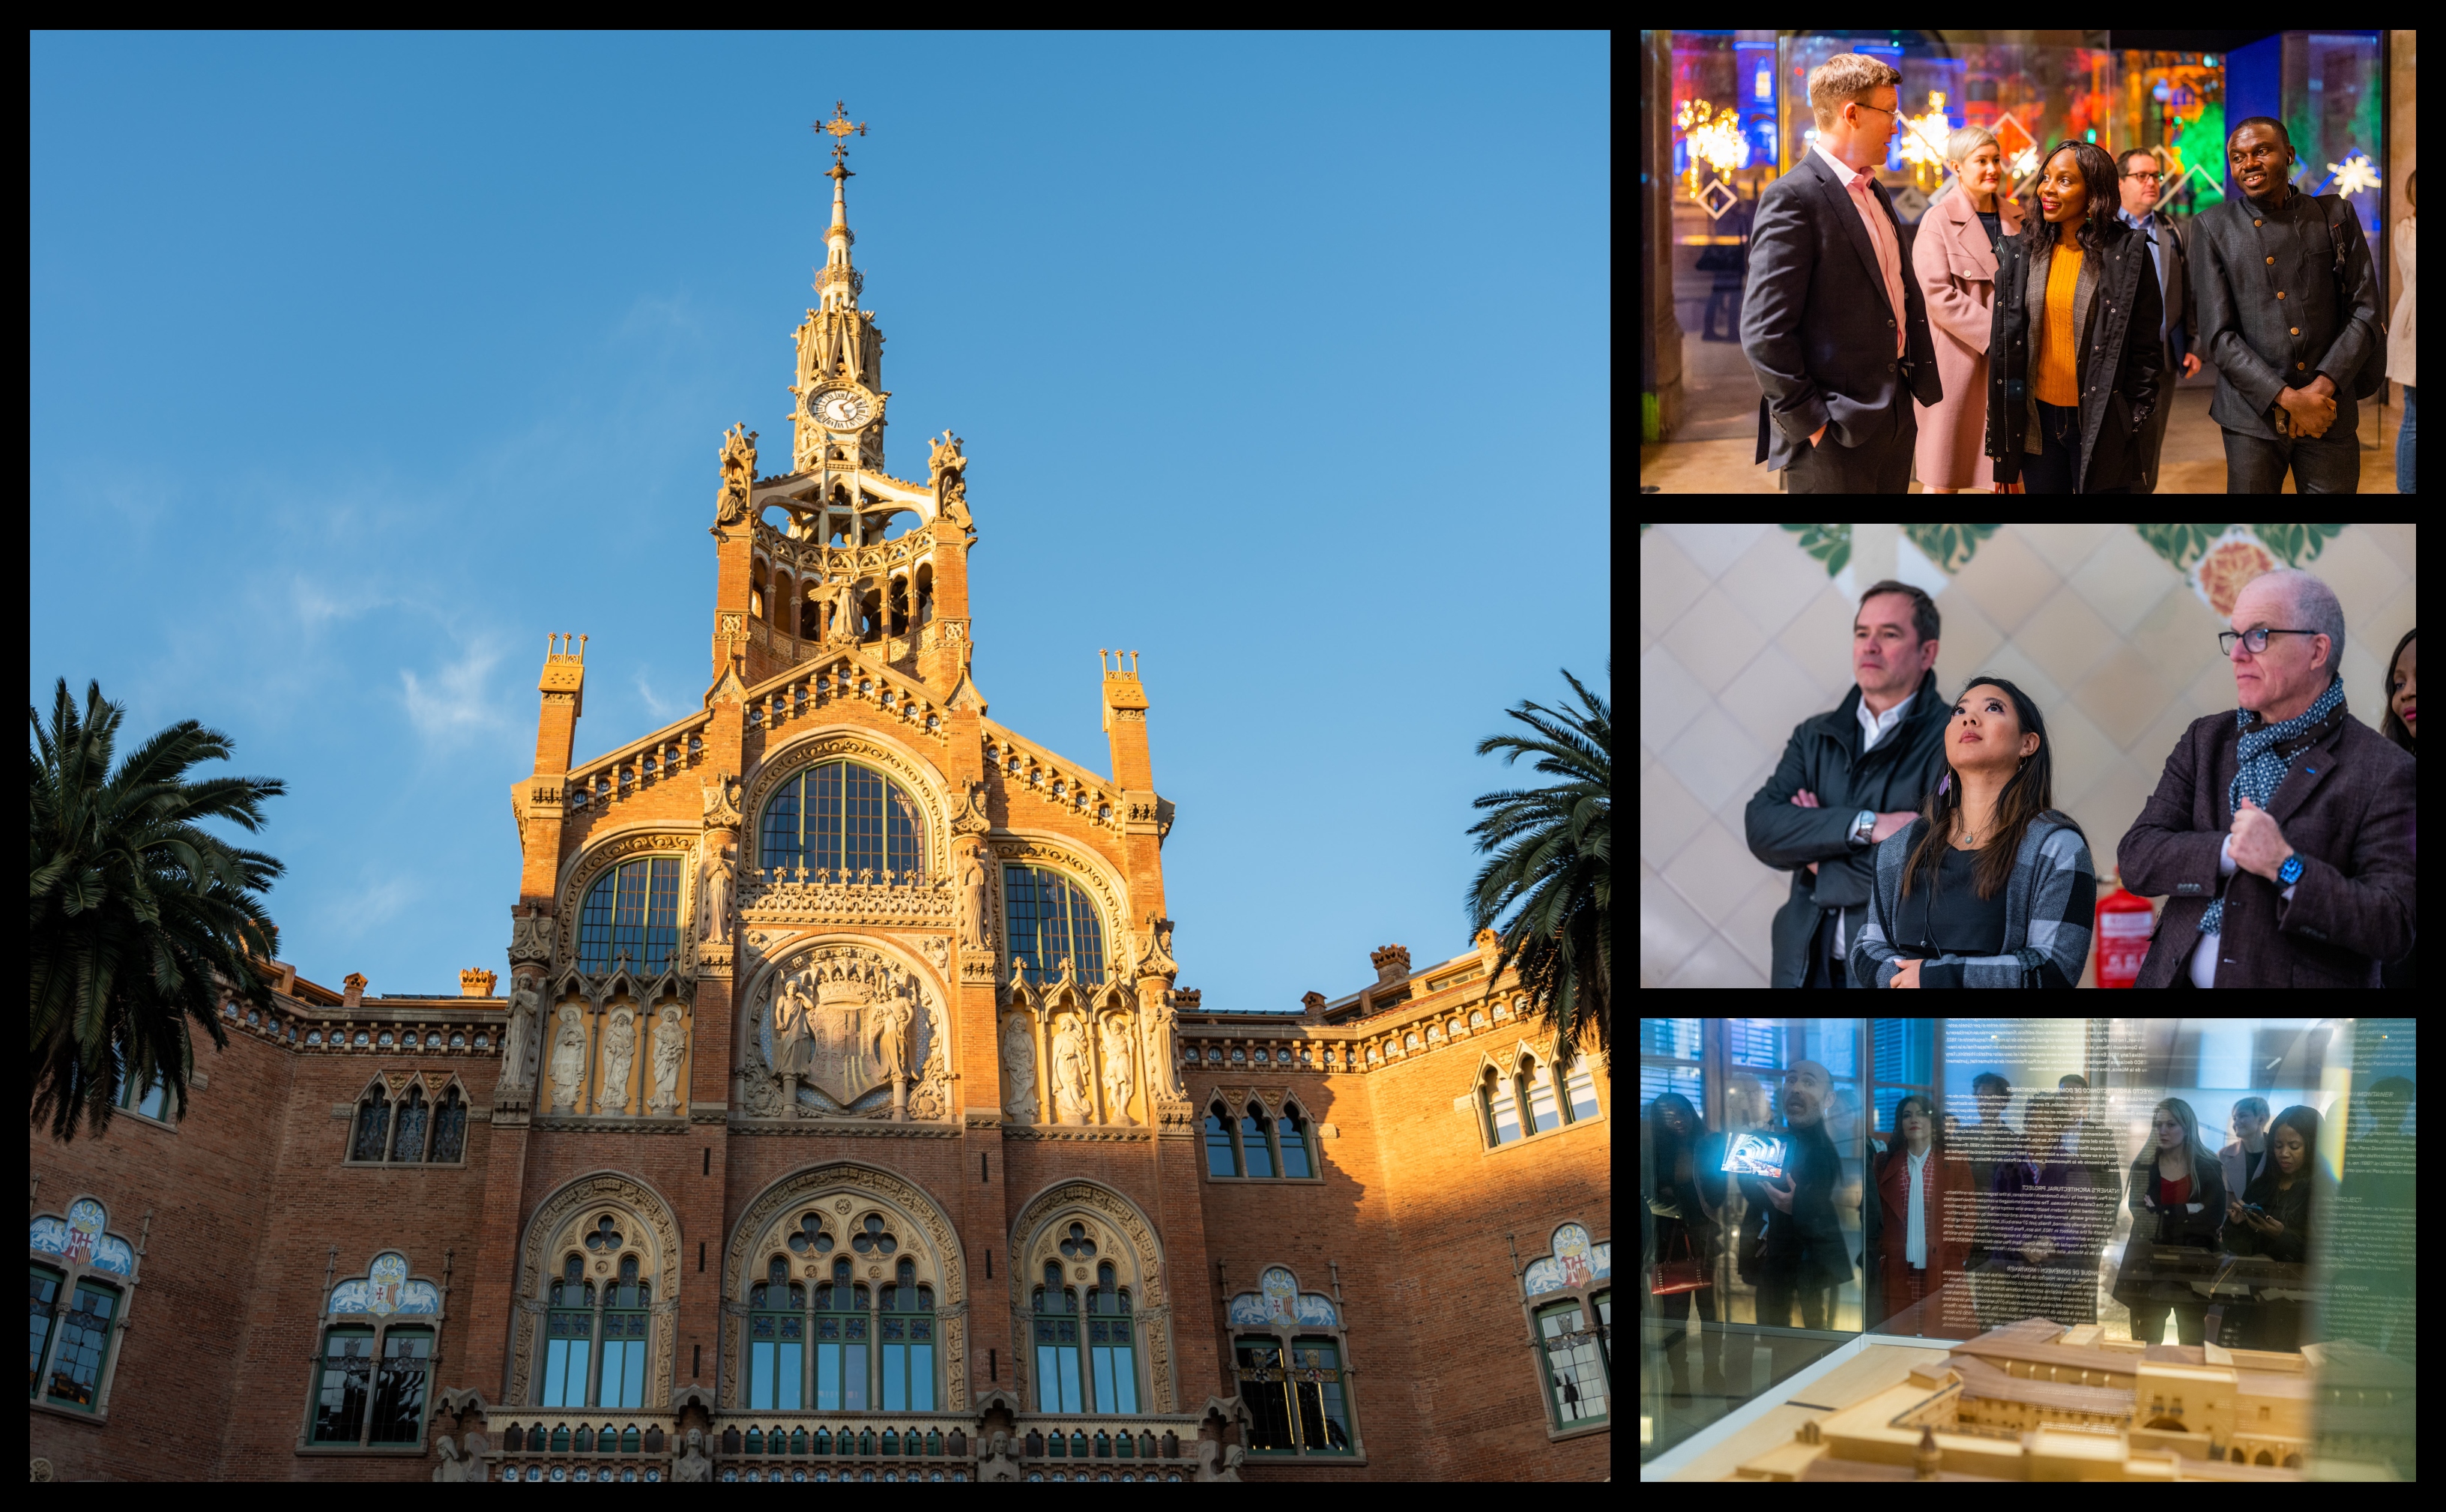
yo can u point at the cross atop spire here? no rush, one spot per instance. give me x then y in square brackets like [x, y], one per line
[842, 129]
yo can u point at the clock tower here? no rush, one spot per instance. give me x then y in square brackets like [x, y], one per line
[838, 413]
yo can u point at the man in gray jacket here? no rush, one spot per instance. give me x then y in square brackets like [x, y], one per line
[2285, 344]
[1850, 778]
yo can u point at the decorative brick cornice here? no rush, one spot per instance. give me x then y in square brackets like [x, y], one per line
[854, 1127]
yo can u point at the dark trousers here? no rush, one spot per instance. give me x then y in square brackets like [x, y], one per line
[2149, 1320]
[2055, 469]
[2331, 464]
[2152, 430]
[1872, 467]
[1826, 969]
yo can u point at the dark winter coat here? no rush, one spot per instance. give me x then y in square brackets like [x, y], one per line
[2116, 307]
[2196, 1224]
[1803, 1247]
[1824, 757]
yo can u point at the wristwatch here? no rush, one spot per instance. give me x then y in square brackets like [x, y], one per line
[2290, 872]
[1863, 824]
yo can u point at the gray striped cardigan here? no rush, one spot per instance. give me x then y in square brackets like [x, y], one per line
[2050, 904]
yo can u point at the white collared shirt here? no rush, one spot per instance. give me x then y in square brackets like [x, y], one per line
[1915, 1244]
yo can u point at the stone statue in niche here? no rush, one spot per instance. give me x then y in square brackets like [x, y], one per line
[844, 620]
[1074, 1091]
[891, 1039]
[1000, 1460]
[1163, 1044]
[1118, 1079]
[619, 1055]
[738, 474]
[714, 889]
[794, 1039]
[973, 904]
[1018, 1070]
[452, 1467]
[671, 1046]
[525, 1005]
[568, 1059]
[692, 1463]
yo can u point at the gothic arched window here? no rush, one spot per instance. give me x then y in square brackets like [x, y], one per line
[1111, 1339]
[1222, 1158]
[1255, 1145]
[906, 1322]
[776, 1339]
[1052, 917]
[450, 1127]
[1544, 1111]
[632, 909]
[1292, 1132]
[1500, 1107]
[373, 1124]
[373, 1375]
[841, 1337]
[569, 1335]
[1580, 1092]
[1568, 1296]
[1057, 1344]
[626, 1310]
[1289, 1352]
[846, 819]
[407, 1140]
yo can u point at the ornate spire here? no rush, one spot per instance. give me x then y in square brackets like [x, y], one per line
[839, 284]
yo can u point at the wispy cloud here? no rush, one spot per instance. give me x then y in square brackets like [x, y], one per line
[452, 707]
[660, 708]
[353, 915]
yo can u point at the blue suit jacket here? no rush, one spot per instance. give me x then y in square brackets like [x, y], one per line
[1817, 324]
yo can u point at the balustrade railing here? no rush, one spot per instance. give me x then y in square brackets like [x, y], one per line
[803, 690]
[833, 1447]
[624, 773]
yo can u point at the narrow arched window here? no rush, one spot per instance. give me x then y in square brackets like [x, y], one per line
[1543, 1111]
[1500, 1108]
[776, 1338]
[569, 1336]
[844, 819]
[450, 1127]
[1220, 1158]
[632, 909]
[905, 1322]
[407, 1141]
[842, 1339]
[373, 1125]
[625, 1313]
[1051, 917]
[1580, 1090]
[1057, 1344]
[1111, 1345]
[1255, 1127]
[347, 1379]
[400, 1387]
[1294, 1134]
[1577, 1366]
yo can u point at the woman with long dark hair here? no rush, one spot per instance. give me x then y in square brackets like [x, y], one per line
[1919, 1220]
[2273, 1219]
[1688, 1228]
[2073, 361]
[1990, 887]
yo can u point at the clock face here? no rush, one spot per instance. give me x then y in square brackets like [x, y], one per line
[840, 409]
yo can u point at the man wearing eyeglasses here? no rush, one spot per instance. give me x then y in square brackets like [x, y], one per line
[2282, 835]
[1831, 320]
[2178, 331]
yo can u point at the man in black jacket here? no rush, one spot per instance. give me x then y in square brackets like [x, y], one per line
[1850, 778]
[2285, 343]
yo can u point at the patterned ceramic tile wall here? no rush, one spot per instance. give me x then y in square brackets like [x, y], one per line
[1744, 630]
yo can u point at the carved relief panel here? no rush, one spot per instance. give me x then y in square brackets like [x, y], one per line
[845, 1030]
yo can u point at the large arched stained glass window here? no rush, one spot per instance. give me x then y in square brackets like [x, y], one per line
[634, 908]
[1052, 917]
[844, 819]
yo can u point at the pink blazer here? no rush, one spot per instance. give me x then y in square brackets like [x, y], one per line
[1956, 265]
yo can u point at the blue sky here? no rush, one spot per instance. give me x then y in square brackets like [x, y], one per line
[359, 364]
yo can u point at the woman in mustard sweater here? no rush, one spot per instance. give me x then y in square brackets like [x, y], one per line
[2072, 361]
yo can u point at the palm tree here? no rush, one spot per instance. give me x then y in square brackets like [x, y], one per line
[140, 919]
[1551, 869]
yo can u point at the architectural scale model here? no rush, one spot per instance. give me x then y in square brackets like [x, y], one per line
[839, 1115]
[2037, 1401]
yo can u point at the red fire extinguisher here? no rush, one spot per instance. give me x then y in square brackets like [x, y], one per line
[2124, 925]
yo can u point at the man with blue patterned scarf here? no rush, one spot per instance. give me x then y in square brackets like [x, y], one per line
[2283, 835]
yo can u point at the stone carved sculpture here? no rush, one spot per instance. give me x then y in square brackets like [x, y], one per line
[670, 1047]
[1074, 1091]
[794, 1040]
[1120, 1079]
[530, 938]
[692, 1463]
[1018, 1070]
[845, 621]
[619, 1055]
[568, 1059]
[1163, 1044]
[1000, 1460]
[891, 1044]
[452, 1467]
[722, 801]
[974, 928]
[525, 1006]
[714, 889]
[738, 474]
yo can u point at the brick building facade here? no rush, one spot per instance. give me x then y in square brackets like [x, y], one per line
[839, 1115]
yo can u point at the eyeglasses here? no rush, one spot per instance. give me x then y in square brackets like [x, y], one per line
[2256, 638]
[2148, 179]
[1865, 105]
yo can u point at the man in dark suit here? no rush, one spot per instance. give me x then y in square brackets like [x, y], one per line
[1831, 318]
[2282, 835]
[2285, 341]
[2179, 328]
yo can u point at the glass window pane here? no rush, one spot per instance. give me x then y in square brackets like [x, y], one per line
[155, 1101]
[594, 924]
[1252, 1144]
[828, 1382]
[1294, 1139]
[1325, 1422]
[1583, 1087]
[629, 915]
[1264, 1387]
[450, 1127]
[854, 1391]
[407, 1142]
[1019, 895]
[1506, 1112]
[1103, 1359]
[348, 1373]
[862, 821]
[921, 1378]
[1904, 1049]
[42, 1296]
[1067, 1361]
[663, 913]
[761, 1387]
[896, 1377]
[373, 1125]
[399, 1390]
[781, 843]
[1220, 1159]
[1575, 1373]
[1541, 1101]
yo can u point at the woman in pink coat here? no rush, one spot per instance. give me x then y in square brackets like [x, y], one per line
[1954, 259]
